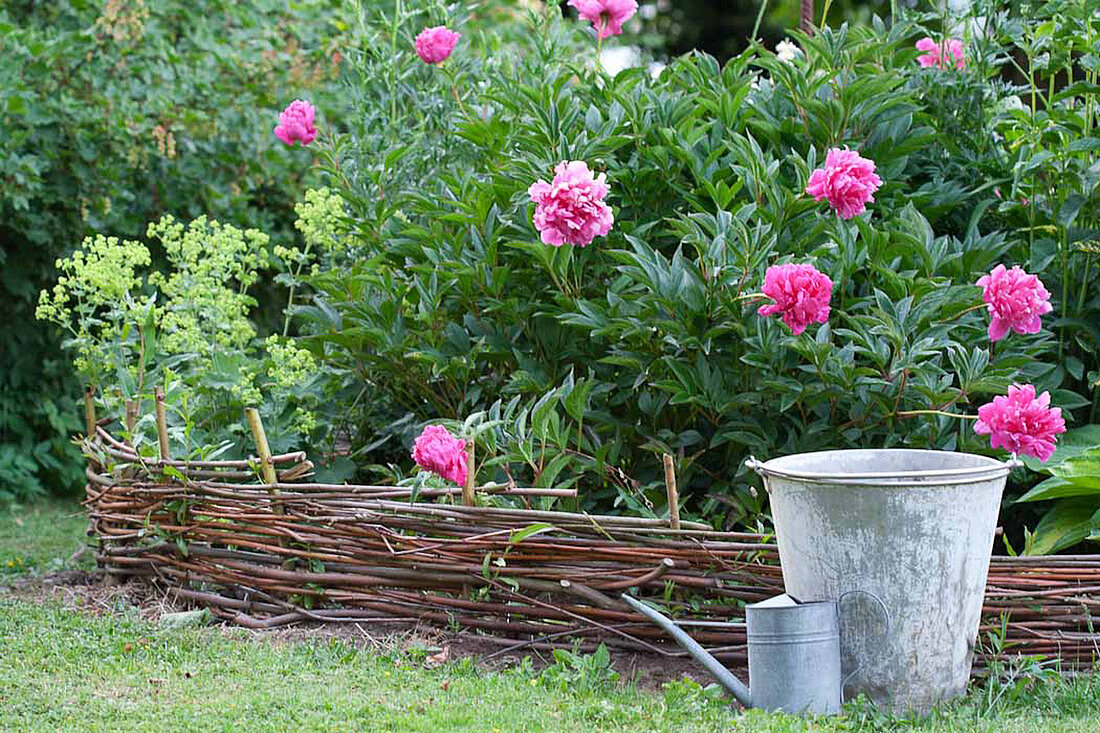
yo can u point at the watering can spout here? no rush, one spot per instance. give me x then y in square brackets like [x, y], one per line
[712, 665]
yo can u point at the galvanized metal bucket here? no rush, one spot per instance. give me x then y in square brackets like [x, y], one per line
[914, 528]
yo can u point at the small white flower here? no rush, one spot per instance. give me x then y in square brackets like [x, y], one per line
[787, 51]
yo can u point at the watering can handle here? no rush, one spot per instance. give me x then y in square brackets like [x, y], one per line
[885, 615]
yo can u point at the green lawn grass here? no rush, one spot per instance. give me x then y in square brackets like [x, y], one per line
[65, 669]
[41, 537]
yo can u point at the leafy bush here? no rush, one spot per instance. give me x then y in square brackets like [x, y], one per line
[1074, 484]
[114, 114]
[584, 362]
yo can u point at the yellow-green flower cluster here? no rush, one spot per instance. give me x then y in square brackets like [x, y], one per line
[128, 328]
[245, 390]
[97, 294]
[290, 368]
[102, 273]
[206, 304]
[290, 365]
[319, 222]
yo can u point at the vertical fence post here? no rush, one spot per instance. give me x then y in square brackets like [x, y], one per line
[132, 408]
[807, 16]
[468, 496]
[267, 467]
[90, 424]
[673, 493]
[162, 423]
[89, 413]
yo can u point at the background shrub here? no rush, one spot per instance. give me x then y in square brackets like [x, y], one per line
[114, 114]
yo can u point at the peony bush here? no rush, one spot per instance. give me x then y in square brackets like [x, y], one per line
[687, 198]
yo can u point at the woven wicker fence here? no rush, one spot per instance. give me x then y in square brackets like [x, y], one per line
[264, 553]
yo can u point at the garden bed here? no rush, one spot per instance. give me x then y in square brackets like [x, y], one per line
[263, 554]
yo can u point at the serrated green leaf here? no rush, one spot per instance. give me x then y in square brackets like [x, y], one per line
[1081, 470]
[418, 484]
[549, 474]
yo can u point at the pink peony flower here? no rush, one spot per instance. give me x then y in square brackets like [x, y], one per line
[801, 293]
[434, 45]
[438, 451]
[1015, 299]
[296, 123]
[847, 181]
[941, 55]
[1021, 423]
[570, 209]
[607, 16]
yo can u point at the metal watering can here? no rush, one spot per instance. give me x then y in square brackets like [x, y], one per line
[794, 654]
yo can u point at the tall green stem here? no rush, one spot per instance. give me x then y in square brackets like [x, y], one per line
[293, 287]
[1085, 282]
[759, 17]
[914, 413]
[398, 14]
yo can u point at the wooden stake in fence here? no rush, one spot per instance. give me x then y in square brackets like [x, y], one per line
[468, 496]
[132, 407]
[162, 423]
[673, 494]
[89, 413]
[90, 433]
[267, 466]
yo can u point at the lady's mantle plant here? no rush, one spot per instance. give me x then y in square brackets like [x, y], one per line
[187, 329]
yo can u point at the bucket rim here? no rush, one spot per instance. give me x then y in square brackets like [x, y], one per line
[992, 469]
